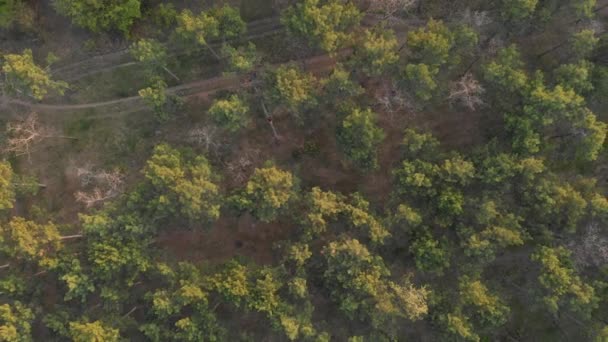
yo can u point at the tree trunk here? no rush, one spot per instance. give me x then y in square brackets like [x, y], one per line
[269, 120]
[5, 266]
[69, 237]
[130, 312]
[24, 184]
[172, 74]
[214, 53]
[551, 49]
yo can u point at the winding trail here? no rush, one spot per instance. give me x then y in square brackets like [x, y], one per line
[121, 58]
[201, 88]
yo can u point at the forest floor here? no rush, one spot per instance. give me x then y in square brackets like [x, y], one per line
[123, 129]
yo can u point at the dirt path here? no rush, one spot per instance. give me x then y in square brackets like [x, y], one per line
[255, 30]
[121, 58]
[202, 88]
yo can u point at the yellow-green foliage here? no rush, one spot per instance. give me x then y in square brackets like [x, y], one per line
[101, 15]
[230, 113]
[23, 239]
[431, 44]
[421, 79]
[93, 332]
[325, 24]
[268, 191]
[232, 283]
[359, 138]
[197, 28]
[324, 207]
[460, 326]
[377, 52]
[293, 88]
[518, 9]
[490, 308]
[179, 186]
[403, 300]
[560, 282]
[7, 192]
[15, 323]
[241, 60]
[25, 77]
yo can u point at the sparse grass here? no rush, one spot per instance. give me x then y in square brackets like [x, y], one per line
[256, 9]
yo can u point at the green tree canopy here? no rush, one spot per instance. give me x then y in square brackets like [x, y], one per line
[241, 60]
[490, 309]
[517, 9]
[324, 207]
[177, 185]
[560, 284]
[15, 322]
[353, 275]
[323, 23]
[30, 241]
[376, 53]
[101, 15]
[431, 255]
[339, 85]
[218, 23]
[93, 332]
[179, 308]
[359, 138]
[156, 97]
[575, 76]
[268, 192]
[25, 77]
[292, 88]
[231, 113]
[420, 78]
[7, 191]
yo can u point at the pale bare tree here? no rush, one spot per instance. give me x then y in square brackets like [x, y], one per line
[592, 248]
[476, 19]
[103, 185]
[389, 9]
[391, 100]
[24, 134]
[206, 137]
[466, 91]
[241, 168]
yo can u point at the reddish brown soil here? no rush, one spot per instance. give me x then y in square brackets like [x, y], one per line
[227, 238]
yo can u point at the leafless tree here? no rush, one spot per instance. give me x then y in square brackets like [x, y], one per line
[476, 19]
[466, 91]
[592, 249]
[391, 8]
[241, 168]
[23, 135]
[206, 137]
[392, 100]
[104, 185]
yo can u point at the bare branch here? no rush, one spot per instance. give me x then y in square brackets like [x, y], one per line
[466, 91]
[23, 135]
[389, 9]
[106, 185]
[206, 137]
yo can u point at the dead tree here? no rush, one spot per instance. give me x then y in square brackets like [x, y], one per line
[206, 137]
[466, 91]
[105, 185]
[23, 135]
[390, 8]
[241, 168]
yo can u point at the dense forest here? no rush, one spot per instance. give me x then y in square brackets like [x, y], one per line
[303, 170]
